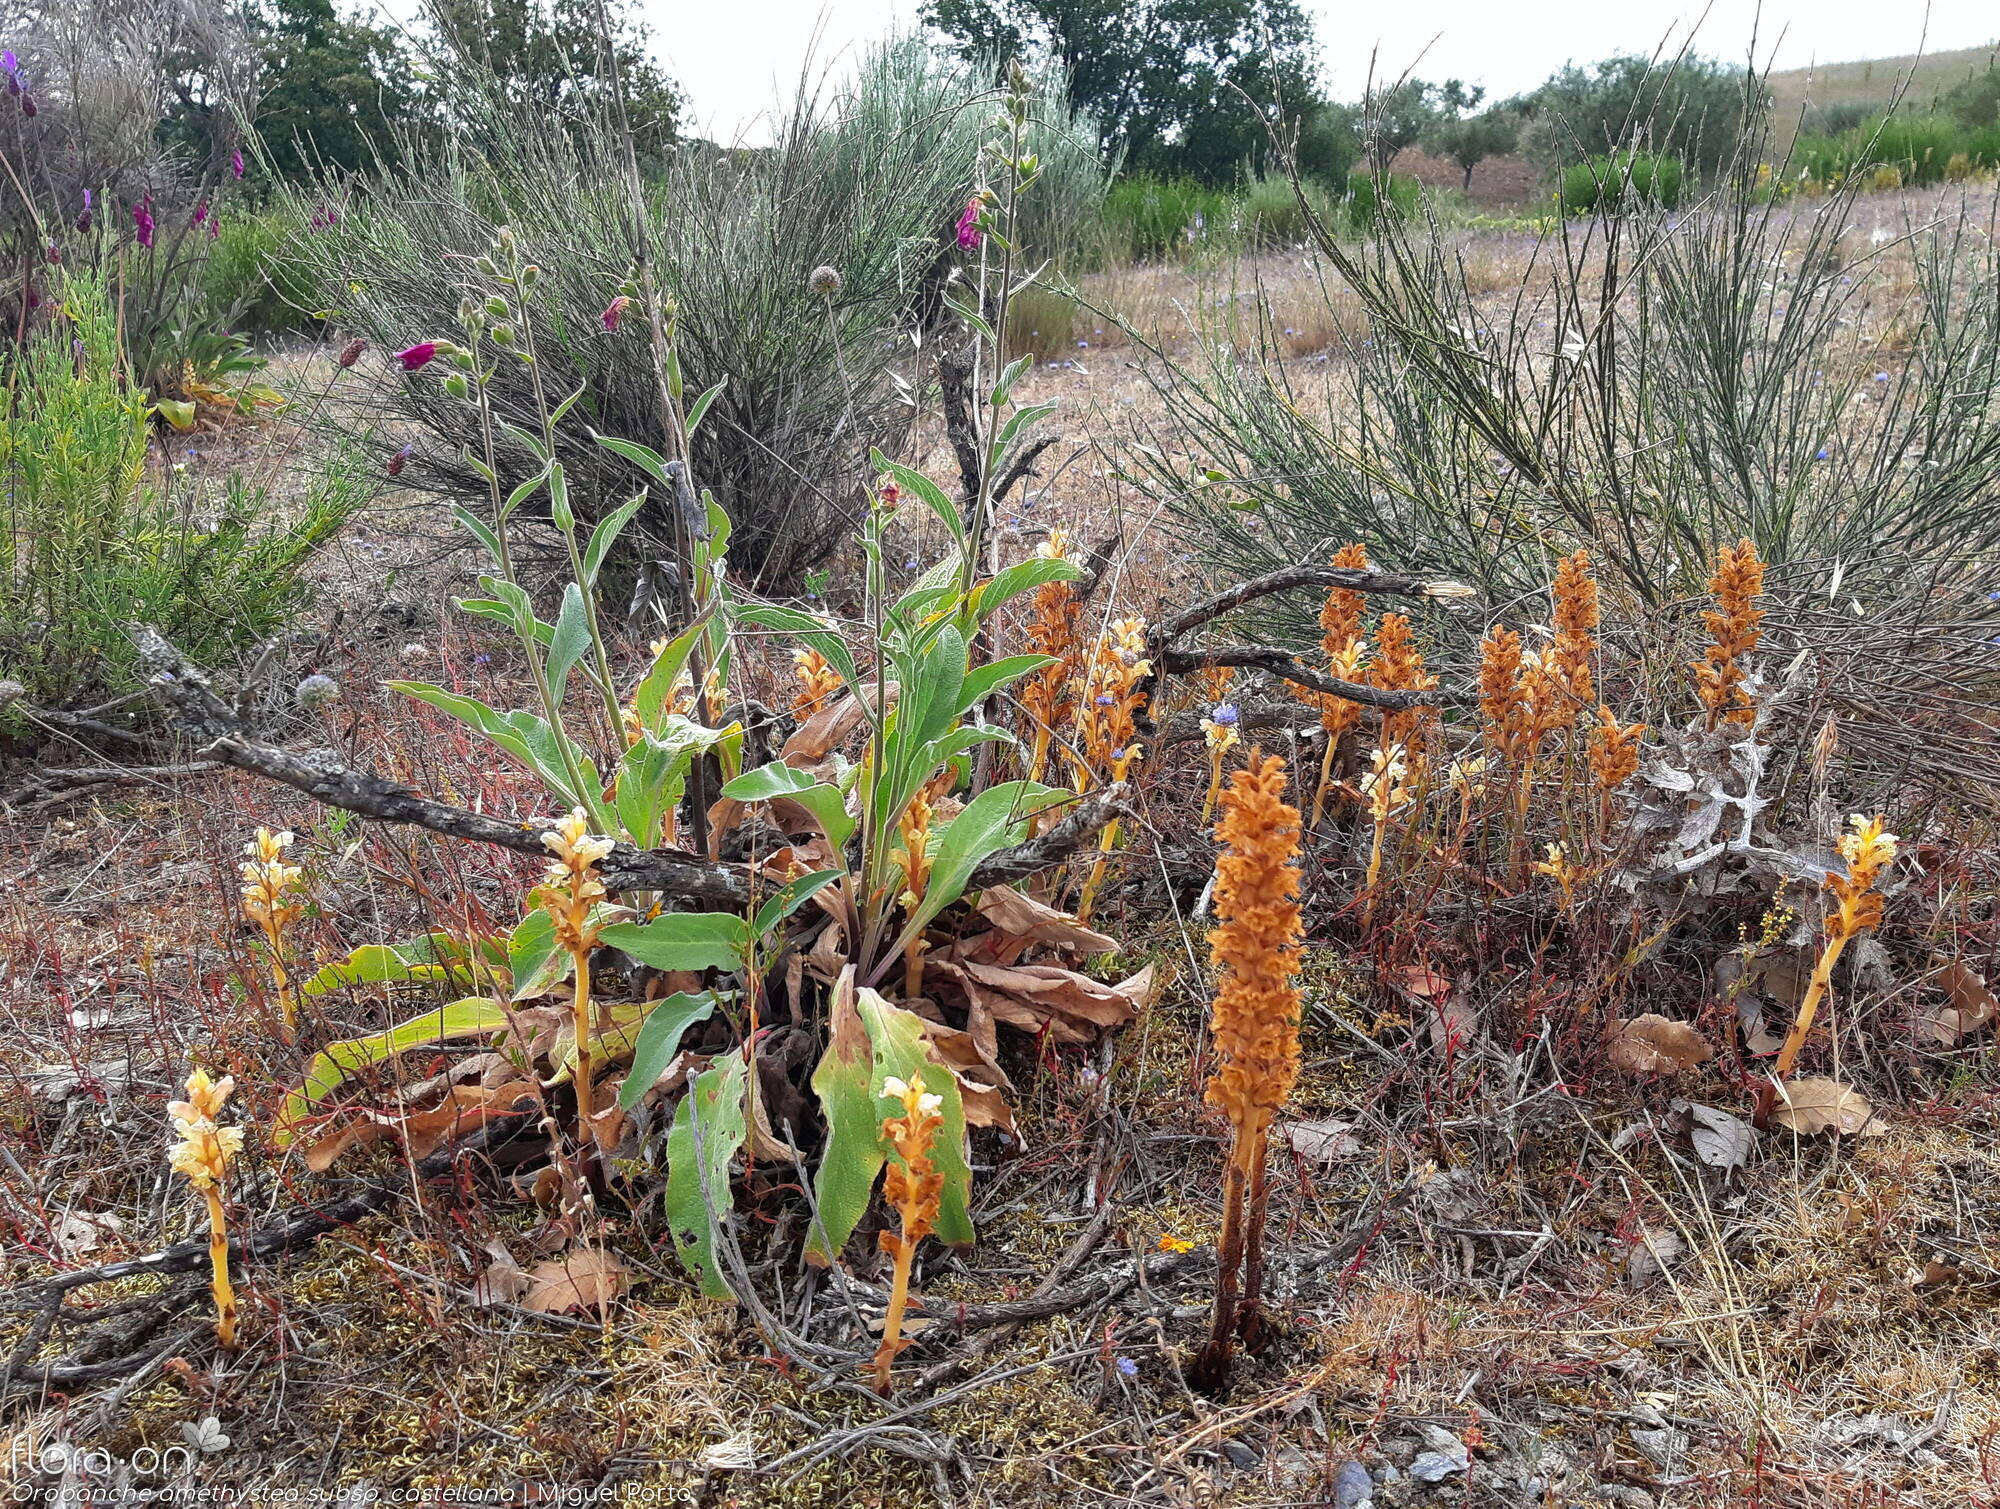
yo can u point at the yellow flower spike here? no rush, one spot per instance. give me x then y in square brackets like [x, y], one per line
[1869, 849]
[914, 1189]
[273, 898]
[819, 682]
[570, 894]
[1049, 696]
[201, 1153]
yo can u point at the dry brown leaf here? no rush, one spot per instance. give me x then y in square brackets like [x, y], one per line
[1969, 1004]
[1810, 1106]
[829, 728]
[1070, 1007]
[1720, 1139]
[980, 1080]
[464, 1108]
[1322, 1141]
[587, 1279]
[1651, 1044]
[503, 1282]
[1024, 919]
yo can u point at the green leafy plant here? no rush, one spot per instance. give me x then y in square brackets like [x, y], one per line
[89, 544]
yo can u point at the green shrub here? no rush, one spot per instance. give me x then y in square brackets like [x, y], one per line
[869, 182]
[1620, 184]
[250, 286]
[1269, 213]
[1916, 149]
[87, 546]
[1369, 203]
[1155, 219]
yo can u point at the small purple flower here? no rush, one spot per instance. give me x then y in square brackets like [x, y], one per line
[1881, 377]
[1224, 714]
[201, 213]
[214, 226]
[84, 217]
[28, 106]
[1128, 1366]
[9, 62]
[416, 358]
[400, 460]
[142, 220]
[236, 163]
[1823, 454]
[614, 312]
[1105, 699]
[969, 236]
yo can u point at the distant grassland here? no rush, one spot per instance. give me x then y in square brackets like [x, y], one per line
[1921, 79]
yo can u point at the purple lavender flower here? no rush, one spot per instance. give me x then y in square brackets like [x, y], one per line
[9, 62]
[84, 218]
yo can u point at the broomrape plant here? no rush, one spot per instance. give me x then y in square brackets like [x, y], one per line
[1869, 851]
[273, 898]
[201, 1154]
[1255, 1022]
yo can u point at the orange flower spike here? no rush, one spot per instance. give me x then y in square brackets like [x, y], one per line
[1399, 667]
[1576, 618]
[1501, 700]
[1255, 1023]
[1340, 620]
[1049, 696]
[1733, 626]
[915, 1190]
[1614, 750]
[818, 682]
[1255, 1018]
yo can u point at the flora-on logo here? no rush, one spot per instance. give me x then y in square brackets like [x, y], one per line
[93, 1464]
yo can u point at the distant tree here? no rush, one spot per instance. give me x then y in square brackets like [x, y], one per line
[333, 86]
[1689, 107]
[1468, 135]
[1162, 76]
[1975, 103]
[546, 54]
[1395, 117]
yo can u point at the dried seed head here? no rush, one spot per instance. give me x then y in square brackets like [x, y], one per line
[824, 281]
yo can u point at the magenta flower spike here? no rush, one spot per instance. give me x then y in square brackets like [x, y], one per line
[236, 163]
[142, 221]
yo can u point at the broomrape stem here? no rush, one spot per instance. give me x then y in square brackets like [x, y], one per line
[218, 1262]
[580, 1008]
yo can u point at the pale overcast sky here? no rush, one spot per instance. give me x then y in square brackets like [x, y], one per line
[733, 57]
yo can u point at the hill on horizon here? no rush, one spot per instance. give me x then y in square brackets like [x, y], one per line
[1919, 78]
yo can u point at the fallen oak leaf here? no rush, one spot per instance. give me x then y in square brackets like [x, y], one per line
[1023, 920]
[1807, 1107]
[1969, 1005]
[587, 1279]
[1652, 1044]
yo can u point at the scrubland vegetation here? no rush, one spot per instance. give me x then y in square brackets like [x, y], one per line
[912, 818]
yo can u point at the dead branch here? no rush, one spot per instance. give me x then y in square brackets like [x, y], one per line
[46, 787]
[1169, 659]
[674, 872]
[1284, 664]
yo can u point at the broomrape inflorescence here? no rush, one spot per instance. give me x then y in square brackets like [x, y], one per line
[201, 1153]
[1218, 732]
[1255, 1023]
[1720, 677]
[1576, 619]
[914, 1189]
[571, 893]
[1107, 726]
[1614, 758]
[274, 898]
[1387, 791]
[1869, 850]
[1340, 623]
[1049, 696]
[818, 682]
[1399, 667]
